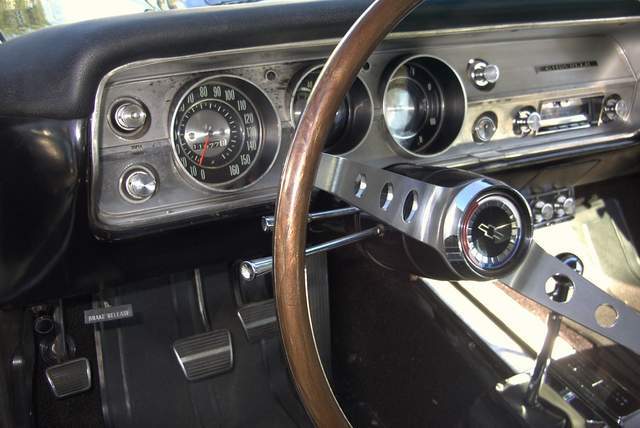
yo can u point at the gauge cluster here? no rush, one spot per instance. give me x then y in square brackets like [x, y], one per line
[224, 133]
[191, 139]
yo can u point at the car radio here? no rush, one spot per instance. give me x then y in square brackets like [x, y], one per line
[570, 113]
[567, 114]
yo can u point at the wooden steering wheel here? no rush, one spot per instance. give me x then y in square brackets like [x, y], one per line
[293, 205]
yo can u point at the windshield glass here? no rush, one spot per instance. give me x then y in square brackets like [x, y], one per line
[19, 17]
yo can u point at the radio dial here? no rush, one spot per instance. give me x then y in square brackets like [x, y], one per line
[526, 121]
[615, 108]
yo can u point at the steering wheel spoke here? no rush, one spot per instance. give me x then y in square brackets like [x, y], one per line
[586, 304]
[399, 201]
[432, 206]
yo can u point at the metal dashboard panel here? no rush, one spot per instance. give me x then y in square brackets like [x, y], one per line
[177, 201]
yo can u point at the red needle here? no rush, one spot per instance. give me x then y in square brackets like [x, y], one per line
[204, 150]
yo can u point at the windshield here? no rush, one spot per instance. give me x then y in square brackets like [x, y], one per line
[19, 17]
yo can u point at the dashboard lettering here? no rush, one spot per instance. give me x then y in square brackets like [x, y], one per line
[566, 66]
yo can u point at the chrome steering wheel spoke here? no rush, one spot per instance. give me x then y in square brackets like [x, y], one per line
[588, 305]
[482, 229]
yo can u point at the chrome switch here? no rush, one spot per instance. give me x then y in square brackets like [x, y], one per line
[138, 184]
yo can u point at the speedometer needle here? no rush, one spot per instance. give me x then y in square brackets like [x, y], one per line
[204, 150]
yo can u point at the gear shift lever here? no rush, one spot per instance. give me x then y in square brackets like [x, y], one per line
[560, 294]
[521, 392]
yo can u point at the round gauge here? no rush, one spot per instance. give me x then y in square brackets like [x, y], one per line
[491, 232]
[413, 107]
[217, 133]
[423, 105]
[352, 120]
[299, 103]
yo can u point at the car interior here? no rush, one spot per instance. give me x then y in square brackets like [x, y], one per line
[331, 213]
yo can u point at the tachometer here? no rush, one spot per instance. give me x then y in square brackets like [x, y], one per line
[216, 133]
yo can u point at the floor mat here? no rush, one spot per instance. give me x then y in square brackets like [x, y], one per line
[142, 383]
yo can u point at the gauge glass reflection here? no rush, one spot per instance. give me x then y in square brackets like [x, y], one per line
[413, 107]
[405, 108]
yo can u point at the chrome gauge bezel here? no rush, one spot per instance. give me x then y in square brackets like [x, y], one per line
[269, 133]
[455, 238]
[390, 75]
[359, 94]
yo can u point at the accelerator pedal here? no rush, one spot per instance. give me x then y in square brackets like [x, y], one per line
[259, 320]
[69, 378]
[205, 355]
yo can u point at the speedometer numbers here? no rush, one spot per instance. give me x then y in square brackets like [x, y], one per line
[217, 133]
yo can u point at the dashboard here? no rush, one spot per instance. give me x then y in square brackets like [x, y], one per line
[187, 139]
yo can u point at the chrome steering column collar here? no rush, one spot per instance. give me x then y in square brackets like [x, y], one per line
[479, 228]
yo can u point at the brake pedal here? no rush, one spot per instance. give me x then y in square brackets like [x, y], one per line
[69, 378]
[204, 355]
[259, 320]
[207, 354]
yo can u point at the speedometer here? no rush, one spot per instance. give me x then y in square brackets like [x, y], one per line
[217, 133]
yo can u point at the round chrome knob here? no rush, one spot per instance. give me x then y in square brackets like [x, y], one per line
[128, 116]
[565, 205]
[544, 210]
[526, 121]
[533, 121]
[615, 108]
[138, 184]
[491, 73]
[482, 74]
[621, 108]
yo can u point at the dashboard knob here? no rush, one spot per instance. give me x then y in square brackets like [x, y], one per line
[128, 116]
[139, 184]
[615, 108]
[482, 74]
[527, 120]
[491, 73]
[565, 205]
[543, 211]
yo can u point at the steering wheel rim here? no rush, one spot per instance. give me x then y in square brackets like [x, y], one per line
[289, 238]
